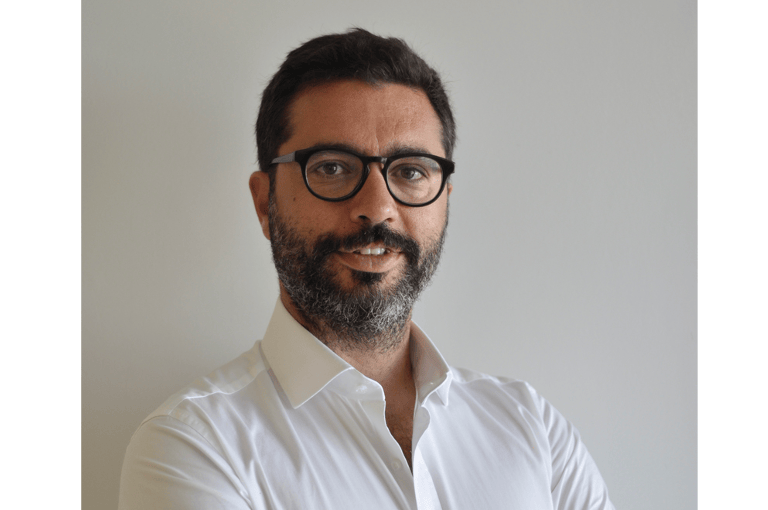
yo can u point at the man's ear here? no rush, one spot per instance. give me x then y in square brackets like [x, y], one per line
[450, 188]
[259, 184]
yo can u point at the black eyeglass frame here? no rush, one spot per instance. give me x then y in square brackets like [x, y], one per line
[302, 158]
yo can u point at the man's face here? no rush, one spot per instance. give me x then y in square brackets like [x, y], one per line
[355, 268]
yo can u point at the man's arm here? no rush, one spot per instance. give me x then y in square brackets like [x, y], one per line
[576, 481]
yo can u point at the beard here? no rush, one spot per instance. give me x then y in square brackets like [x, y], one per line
[368, 316]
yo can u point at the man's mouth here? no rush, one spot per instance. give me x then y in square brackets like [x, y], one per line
[373, 258]
[371, 251]
[375, 249]
[373, 246]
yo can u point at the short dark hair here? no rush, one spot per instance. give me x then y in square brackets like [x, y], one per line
[354, 55]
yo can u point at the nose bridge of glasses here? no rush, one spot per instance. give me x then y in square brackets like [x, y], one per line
[371, 164]
[370, 161]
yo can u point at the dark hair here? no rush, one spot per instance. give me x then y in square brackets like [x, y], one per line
[356, 55]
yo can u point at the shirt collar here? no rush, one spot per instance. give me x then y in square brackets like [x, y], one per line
[303, 365]
[430, 371]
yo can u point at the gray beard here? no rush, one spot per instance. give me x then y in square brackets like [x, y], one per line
[366, 317]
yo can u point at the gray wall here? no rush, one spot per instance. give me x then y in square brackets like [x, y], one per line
[571, 254]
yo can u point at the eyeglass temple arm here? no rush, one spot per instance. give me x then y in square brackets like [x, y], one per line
[288, 158]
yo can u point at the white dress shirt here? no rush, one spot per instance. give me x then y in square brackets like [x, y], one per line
[291, 425]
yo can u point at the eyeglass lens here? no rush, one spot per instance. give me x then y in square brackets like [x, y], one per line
[413, 179]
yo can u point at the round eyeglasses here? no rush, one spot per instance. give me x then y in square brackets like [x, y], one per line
[413, 178]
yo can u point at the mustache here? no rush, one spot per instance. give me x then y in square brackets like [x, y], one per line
[379, 233]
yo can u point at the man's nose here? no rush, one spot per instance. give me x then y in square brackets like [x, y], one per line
[373, 203]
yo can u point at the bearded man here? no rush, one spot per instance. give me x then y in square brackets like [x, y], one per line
[346, 403]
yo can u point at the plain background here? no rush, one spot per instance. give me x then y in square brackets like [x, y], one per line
[571, 254]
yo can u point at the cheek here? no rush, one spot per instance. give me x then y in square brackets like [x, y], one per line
[309, 216]
[292, 189]
[426, 224]
[294, 201]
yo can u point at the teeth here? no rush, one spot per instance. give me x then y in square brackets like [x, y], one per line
[372, 251]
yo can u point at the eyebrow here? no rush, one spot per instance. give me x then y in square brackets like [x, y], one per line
[404, 149]
[394, 151]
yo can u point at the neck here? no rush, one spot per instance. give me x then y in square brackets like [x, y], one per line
[391, 367]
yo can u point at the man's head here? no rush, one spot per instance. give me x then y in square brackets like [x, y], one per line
[352, 269]
[354, 55]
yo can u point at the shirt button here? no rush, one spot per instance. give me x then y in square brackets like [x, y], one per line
[397, 465]
[361, 389]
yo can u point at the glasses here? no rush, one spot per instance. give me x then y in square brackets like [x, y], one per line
[413, 178]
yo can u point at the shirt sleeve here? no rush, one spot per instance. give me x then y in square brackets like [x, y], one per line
[169, 465]
[576, 481]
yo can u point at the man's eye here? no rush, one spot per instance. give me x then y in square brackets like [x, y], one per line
[329, 169]
[409, 173]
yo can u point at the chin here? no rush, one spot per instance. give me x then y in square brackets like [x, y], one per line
[368, 279]
[362, 283]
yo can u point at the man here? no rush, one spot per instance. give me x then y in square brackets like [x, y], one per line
[346, 403]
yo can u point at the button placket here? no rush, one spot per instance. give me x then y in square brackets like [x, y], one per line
[424, 486]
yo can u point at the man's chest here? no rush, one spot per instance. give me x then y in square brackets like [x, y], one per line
[346, 456]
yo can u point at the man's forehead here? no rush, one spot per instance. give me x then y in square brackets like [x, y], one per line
[370, 119]
[390, 150]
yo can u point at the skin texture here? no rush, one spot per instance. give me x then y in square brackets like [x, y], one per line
[376, 121]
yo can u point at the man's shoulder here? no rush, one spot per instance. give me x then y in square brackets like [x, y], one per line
[219, 392]
[465, 376]
[504, 390]
[199, 430]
